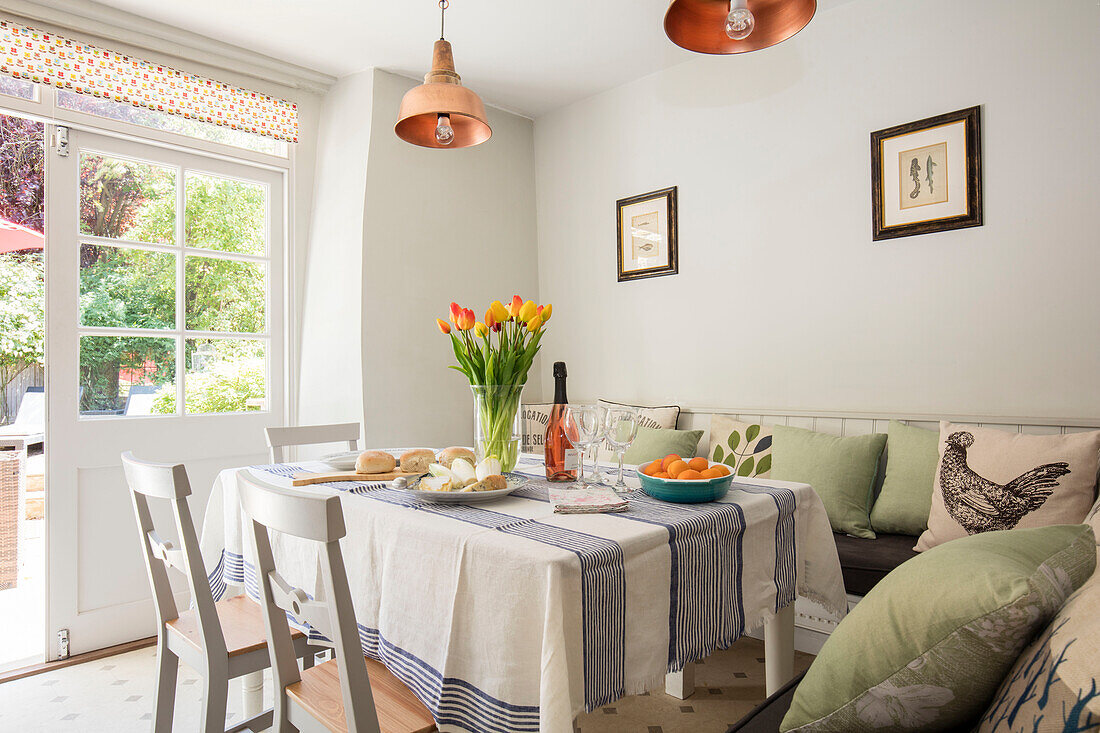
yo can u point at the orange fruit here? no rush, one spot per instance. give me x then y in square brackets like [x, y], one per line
[712, 473]
[676, 468]
[723, 471]
[668, 460]
[689, 475]
[662, 474]
[652, 468]
[699, 463]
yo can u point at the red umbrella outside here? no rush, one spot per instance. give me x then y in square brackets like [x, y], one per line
[16, 237]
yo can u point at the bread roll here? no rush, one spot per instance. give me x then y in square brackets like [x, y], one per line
[495, 482]
[417, 461]
[448, 455]
[374, 461]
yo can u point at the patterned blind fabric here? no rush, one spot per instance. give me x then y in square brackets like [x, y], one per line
[45, 58]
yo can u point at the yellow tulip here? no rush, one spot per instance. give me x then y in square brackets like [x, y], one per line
[528, 311]
[481, 329]
[500, 313]
[546, 310]
[534, 324]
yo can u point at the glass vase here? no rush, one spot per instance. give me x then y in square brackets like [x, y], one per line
[497, 428]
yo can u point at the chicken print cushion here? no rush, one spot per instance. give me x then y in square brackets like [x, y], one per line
[991, 480]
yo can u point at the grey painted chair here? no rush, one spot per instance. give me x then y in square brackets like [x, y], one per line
[220, 640]
[350, 693]
[280, 438]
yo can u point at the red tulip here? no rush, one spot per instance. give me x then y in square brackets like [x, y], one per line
[443, 325]
[517, 303]
[456, 311]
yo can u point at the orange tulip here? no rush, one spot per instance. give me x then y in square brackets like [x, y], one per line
[456, 311]
[466, 319]
[443, 325]
[490, 321]
[517, 303]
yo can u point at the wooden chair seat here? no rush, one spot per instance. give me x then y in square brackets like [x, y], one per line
[242, 623]
[399, 711]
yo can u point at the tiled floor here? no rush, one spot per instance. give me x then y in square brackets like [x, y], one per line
[116, 695]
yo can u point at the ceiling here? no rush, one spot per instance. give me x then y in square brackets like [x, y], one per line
[527, 56]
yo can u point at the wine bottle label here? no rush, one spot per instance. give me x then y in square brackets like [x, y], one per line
[572, 459]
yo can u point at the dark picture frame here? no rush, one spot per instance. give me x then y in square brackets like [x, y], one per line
[669, 262]
[972, 217]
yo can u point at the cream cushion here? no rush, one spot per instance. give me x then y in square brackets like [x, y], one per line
[663, 418]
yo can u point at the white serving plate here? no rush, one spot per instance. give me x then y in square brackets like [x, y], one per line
[515, 481]
[343, 461]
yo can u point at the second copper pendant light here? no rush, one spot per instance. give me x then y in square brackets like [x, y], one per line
[725, 27]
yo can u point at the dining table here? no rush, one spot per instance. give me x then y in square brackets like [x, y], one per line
[506, 616]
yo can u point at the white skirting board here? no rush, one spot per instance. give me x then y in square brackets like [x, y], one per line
[812, 625]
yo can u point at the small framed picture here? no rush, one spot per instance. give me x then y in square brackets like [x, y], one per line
[647, 235]
[926, 176]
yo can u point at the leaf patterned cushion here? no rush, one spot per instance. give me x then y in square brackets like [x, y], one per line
[745, 447]
[928, 646]
[1053, 686]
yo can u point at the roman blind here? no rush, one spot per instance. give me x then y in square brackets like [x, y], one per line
[46, 58]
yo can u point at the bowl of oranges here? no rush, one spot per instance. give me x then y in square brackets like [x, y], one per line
[685, 480]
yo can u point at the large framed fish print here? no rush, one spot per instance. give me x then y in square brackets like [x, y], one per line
[926, 176]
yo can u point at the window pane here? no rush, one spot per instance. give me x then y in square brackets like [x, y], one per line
[225, 295]
[226, 375]
[125, 112]
[225, 215]
[127, 288]
[17, 87]
[125, 199]
[129, 375]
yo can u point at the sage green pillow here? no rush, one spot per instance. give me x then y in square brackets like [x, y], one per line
[927, 648]
[912, 455]
[841, 470]
[654, 443]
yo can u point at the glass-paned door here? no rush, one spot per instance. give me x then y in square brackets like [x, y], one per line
[165, 304]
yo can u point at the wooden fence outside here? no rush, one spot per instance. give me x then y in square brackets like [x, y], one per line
[21, 379]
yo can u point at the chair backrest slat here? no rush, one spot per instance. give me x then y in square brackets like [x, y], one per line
[278, 439]
[168, 482]
[290, 511]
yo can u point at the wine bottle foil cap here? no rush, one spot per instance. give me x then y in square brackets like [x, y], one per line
[559, 369]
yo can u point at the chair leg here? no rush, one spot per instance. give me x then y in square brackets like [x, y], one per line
[214, 701]
[164, 696]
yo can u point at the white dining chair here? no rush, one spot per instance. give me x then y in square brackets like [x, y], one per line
[220, 640]
[280, 438]
[351, 693]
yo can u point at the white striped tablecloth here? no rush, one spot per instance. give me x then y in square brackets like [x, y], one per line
[507, 617]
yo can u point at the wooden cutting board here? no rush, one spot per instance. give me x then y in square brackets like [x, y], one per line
[305, 479]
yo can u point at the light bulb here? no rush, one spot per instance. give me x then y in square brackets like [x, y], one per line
[444, 133]
[739, 23]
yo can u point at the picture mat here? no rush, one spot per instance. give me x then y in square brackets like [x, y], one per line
[642, 211]
[954, 135]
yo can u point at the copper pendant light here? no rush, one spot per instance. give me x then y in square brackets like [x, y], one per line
[723, 27]
[441, 113]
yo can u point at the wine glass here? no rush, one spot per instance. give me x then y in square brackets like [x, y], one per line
[584, 430]
[621, 428]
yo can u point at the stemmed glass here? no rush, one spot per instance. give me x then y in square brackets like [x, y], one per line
[621, 428]
[584, 429]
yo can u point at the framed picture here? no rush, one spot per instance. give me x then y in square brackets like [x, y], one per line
[647, 235]
[926, 176]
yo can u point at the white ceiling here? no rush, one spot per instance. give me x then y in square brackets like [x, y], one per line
[528, 56]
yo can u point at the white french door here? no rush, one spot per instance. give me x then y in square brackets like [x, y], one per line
[165, 281]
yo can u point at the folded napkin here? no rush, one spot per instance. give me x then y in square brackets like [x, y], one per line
[586, 501]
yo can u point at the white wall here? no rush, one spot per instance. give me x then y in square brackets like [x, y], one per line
[423, 228]
[783, 300]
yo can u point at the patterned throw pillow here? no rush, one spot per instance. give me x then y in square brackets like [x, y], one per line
[906, 658]
[648, 417]
[535, 418]
[745, 447]
[1053, 686]
[990, 479]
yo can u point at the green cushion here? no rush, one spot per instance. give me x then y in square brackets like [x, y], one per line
[654, 443]
[912, 455]
[928, 646]
[841, 470]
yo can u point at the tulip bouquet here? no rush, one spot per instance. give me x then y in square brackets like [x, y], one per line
[495, 355]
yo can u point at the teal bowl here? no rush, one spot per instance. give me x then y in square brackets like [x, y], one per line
[685, 492]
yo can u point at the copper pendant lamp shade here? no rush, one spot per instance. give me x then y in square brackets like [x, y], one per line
[700, 25]
[442, 101]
